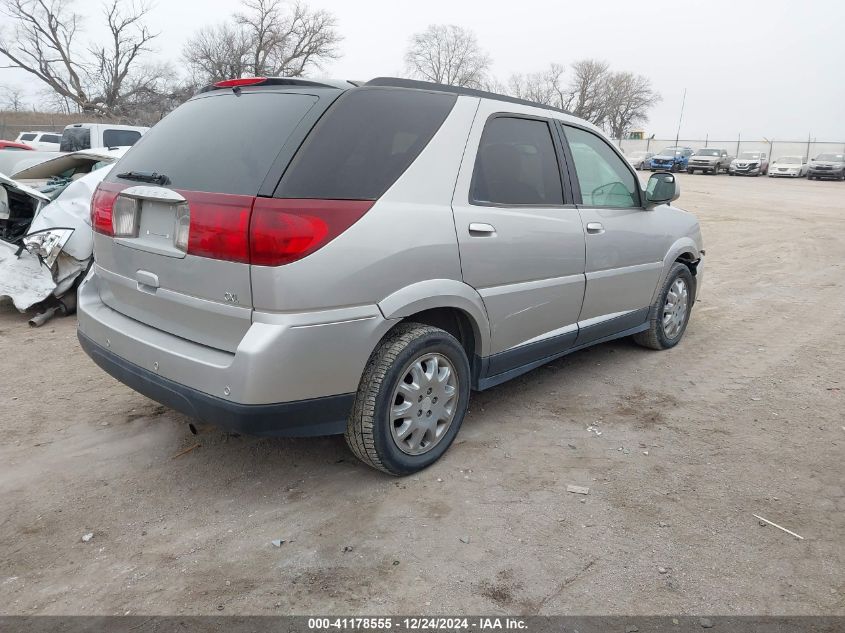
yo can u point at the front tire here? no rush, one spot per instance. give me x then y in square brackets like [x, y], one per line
[670, 313]
[411, 401]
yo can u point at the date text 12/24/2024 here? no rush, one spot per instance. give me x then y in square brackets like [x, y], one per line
[416, 624]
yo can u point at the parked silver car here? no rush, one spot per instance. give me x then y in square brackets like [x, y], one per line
[356, 259]
[639, 160]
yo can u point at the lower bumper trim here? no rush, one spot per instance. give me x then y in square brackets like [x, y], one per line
[301, 418]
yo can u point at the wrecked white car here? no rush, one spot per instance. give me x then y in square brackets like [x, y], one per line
[46, 245]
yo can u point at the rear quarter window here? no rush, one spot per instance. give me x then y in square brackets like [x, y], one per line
[364, 142]
[120, 138]
[75, 139]
[222, 142]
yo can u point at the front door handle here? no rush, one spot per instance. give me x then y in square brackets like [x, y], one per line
[480, 229]
[595, 228]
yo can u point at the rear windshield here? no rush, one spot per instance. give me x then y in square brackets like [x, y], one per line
[222, 142]
[365, 141]
[75, 139]
[120, 138]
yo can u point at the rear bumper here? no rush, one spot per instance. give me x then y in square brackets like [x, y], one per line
[316, 416]
[826, 173]
[291, 374]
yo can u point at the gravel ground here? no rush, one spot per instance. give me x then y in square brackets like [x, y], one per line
[744, 417]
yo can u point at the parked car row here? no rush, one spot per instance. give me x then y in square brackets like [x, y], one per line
[80, 136]
[714, 160]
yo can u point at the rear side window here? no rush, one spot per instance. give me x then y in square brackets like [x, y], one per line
[51, 138]
[363, 143]
[222, 143]
[75, 139]
[120, 138]
[27, 137]
[516, 164]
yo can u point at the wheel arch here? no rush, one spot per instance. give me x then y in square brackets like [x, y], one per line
[685, 251]
[449, 304]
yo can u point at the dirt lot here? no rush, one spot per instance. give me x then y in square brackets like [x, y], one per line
[746, 416]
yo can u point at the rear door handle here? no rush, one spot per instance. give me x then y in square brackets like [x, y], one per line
[595, 228]
[480, 229]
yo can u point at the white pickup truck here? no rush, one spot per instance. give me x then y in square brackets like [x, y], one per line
[76, 137]
[87, 135]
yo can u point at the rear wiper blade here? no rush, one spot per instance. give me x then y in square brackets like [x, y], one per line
[146, 176]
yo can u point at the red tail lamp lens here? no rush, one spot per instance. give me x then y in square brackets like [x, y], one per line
[285, 230]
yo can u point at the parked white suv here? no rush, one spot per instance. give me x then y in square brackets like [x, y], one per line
[355, 259]
[44, 141]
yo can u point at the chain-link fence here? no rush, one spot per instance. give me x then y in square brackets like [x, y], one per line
[774, 148]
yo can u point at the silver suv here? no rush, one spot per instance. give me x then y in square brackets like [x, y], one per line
[285, 257]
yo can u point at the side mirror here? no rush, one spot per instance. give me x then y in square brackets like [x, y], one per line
[662, 188]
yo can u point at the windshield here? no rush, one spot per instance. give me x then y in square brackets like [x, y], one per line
[750, 155]
[789, 160]
[670, 151]
[708, 152]
[836, 158]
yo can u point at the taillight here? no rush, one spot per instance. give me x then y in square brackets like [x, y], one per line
[102, 206]
[260, 231]
[218, 225]
[285, 230]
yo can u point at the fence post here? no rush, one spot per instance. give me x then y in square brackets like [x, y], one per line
[738, 139]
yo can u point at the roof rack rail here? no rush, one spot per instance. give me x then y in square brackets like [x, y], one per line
[397, 82]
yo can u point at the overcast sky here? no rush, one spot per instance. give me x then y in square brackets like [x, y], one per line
[772, 69]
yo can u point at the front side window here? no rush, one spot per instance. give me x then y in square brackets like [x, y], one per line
[603, 177]
[27, 137]
[516, 164]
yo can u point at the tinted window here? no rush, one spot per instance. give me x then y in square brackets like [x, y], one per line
[604, 178]
[51, 138]
[120, 138]
[27, 137]
[75, 139]
[365, 141]
[516, 164]
[220, 143]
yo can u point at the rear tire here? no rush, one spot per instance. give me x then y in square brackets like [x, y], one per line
[417, 365]
[671, 310]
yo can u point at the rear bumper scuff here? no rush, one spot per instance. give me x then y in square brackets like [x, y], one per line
[301, 418]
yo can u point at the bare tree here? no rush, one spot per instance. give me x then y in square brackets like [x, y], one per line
[545, 86]
[265, 38]
[587, 90]
[629, 98]
[448, 54]
[44, 42]
[13, 99]
[117, 76]
[217, 52]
